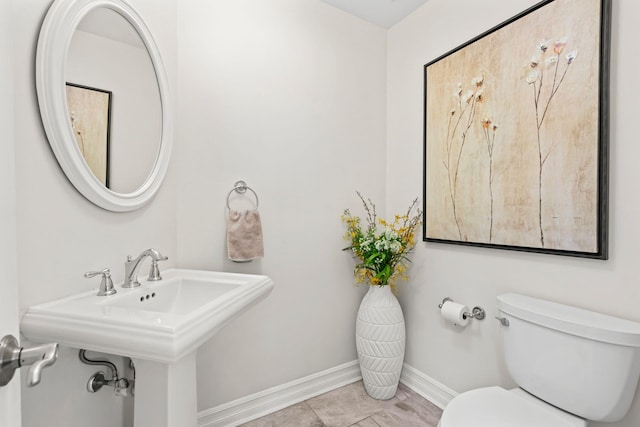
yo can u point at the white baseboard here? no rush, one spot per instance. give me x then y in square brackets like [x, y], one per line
[273, 399]
[432, 390]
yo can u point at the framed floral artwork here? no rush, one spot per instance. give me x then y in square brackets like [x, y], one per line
[90, 116]
[516, 134]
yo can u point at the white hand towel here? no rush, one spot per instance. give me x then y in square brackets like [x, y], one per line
[244, 236]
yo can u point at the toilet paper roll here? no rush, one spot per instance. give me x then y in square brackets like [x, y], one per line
[454, 313]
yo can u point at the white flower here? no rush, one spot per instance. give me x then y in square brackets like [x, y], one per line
[559, 45]
[543, 45]
[390, 234]
[535, 60]
[571, 56]
[467, 96]
[533, 76]
[458, 92]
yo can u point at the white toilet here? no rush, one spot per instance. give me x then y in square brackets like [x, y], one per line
[571, 365]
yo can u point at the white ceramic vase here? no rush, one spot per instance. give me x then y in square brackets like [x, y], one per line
[380, 340]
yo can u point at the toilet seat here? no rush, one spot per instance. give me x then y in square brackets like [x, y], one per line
[497, 407]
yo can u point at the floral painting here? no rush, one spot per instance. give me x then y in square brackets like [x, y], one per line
[516, 134]
[89, 114]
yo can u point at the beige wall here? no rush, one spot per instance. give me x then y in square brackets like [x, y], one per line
[468, 358]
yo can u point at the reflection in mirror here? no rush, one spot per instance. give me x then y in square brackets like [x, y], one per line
[89, 112]
[119, 140]
[137, 164]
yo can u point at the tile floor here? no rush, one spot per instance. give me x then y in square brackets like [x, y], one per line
[350, 406]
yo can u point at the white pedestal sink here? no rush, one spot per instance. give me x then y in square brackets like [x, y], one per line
[160, 325]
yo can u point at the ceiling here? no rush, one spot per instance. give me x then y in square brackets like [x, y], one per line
[384, 13]
[108, 23]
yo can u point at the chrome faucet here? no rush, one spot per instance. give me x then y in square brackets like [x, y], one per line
[132, 265]
[106, 285]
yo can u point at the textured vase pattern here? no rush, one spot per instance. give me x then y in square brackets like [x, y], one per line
[380, 341]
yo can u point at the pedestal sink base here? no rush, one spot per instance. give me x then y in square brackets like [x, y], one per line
[165, 394]
[160, 325]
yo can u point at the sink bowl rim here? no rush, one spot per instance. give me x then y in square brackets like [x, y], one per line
[167, 341]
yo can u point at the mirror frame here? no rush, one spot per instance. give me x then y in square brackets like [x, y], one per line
[54, 40]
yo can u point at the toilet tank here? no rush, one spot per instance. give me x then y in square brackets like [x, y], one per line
[584, 362]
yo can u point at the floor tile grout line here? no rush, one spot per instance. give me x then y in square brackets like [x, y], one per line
[386, 409]
[373, 419]
[306, 402]
[370, 416]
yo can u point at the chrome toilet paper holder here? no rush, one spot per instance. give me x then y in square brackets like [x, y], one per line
[477, 313]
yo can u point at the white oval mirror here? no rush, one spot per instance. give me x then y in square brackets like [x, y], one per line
[104, 101]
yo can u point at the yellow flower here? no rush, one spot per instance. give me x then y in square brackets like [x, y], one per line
[382, 253]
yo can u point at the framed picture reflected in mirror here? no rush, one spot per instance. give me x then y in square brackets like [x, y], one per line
[90, 116]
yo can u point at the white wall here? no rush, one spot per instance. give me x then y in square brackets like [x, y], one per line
[61, 235]
[287, 95]
[464, 359]
[9, 394]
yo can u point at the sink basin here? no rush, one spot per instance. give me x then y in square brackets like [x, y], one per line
[180, 295]
[159, 321]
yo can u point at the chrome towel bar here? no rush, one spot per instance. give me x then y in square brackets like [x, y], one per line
[241, 187]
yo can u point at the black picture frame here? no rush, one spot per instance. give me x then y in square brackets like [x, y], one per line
[516, 145]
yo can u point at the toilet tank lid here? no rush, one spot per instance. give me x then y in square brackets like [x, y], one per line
[571, 320]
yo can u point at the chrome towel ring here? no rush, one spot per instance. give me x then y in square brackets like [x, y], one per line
[241, 187]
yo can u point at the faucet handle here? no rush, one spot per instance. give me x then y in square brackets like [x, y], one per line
[154, 271]
[106, 284]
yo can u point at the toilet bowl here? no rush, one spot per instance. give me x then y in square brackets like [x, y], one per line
[571, 366]
[497, 407]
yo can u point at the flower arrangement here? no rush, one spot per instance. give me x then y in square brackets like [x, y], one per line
[382, 247]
